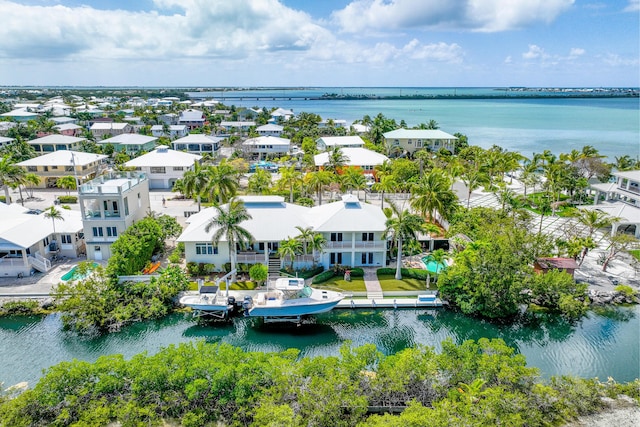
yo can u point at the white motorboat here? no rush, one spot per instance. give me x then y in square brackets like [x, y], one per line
[289, 299]
[208, 302]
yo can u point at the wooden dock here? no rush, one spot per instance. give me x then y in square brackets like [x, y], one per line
[390, 303]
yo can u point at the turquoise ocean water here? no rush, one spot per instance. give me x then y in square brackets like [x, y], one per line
[519, 122]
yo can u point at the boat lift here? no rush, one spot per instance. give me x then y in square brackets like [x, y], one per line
[223, 311]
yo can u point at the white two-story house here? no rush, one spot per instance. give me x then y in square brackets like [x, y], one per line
[163, 166]
[354, 233]
[109, 205]
[620, 199]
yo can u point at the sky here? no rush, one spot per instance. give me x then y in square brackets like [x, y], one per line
[326, 43]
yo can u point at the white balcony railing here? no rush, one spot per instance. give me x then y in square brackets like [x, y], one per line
[358, 244]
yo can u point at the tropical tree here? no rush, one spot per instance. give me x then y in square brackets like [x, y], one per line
[223, 182]
[473, 179]
[9, 174]
[353, 179]
[305, 237]
[289, 178]
[594, 219]
[387, 184]
[30, 181]
[618, 243]
[227, 224]
[336, 159]
[67, 182]
[433, 194]
[260, 182]
[317, 245]
[196, 181]
[291, 247]
[54, 214]
[401, 226]
[317, 181]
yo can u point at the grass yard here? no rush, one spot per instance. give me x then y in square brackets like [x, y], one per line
[337, 283]
[390, 284]
[237, 286]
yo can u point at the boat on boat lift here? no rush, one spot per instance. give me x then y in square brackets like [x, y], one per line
[209, 301]
[288, 299]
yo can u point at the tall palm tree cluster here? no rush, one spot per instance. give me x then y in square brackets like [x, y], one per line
[218, 183]
[307, 242]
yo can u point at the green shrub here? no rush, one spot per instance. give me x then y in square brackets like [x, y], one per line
[323, 277]
[357, 272]
[20, 308]
[68, 199]
[304, 273]
[175, 257]
[412, 273]
[192, 268]
[625, 290]
[305, 201]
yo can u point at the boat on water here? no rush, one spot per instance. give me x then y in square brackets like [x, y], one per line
[289, 299]
[208, 302]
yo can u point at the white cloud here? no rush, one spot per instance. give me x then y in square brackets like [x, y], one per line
[616, 60]
[633, 6]
[473, 15]
[534, 52]
[576, 52]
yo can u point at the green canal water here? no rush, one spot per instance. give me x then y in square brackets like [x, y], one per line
[601, 345]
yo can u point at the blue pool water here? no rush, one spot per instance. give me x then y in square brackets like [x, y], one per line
[74, 273]
[432, 266]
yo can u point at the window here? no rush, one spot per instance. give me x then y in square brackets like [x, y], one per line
[367, 258]
[126, 206]
[112, 231]
[32, 168]
[367, 237]
[98, 232]
[46, 168]
[335, 258]
[45, 241]
[158, 169]
[68, 168]
[66, 238]
[410, 142]
[419, 143]
[206, 249]
[178, 168]
[336, 237]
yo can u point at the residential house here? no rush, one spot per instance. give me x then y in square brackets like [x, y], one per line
[172, 132]
[280, 115]
[169, 118]
[64, 120]
[131, 143]
[56, 142]
[192, 119]
[234, 126]
[20, 115]
[411, 140]
[359, 128]
[51, 166]
[270, 130]
[28, 241]
[101, 130]
[265, 146]
[163, 166]
[362, 158]
[109, 205]
[200, 144]
[326, 142]
[69, 129]
[620, 199]
[354, 232]
[335, 123]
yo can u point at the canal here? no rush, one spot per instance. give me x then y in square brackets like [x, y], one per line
[604, 344]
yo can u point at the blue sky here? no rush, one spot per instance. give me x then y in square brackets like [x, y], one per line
[320, 42]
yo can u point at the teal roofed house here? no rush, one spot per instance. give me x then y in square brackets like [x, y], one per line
[131, 143]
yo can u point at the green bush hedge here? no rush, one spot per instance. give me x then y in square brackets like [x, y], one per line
[412, 273]
[323, 277]
[68, 199]
[304, 273]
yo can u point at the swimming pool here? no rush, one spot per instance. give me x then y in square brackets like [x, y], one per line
[75, 274]
[433, 266]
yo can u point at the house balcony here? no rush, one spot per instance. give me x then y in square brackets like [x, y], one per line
[250, 257]
[358, 244]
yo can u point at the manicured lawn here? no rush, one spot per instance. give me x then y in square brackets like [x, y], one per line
[237, 286]
[338, 283]
[390, 284]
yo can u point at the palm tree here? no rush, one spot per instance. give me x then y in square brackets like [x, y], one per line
[260, 182]
[317, 181]
[305, 236]
[387, 184]
[9, 174]
[336, 159]
[353, 179]
[433, 194]
[473, 179]
[227, 222]
[67, 182]
[54, 214]
[595, 219]
[290, 248]
[223, 182]
[195, 181]
[290, 178]
[30, 181]
[402, 226]
[317, 245]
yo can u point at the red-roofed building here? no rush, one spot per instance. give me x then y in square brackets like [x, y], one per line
[543, 265]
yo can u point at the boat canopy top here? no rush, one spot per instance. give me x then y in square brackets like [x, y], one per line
[289, 283]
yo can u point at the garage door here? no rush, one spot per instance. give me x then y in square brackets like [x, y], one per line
[156, 183]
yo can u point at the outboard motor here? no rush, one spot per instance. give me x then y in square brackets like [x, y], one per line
[247, 303]
[232, 302]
